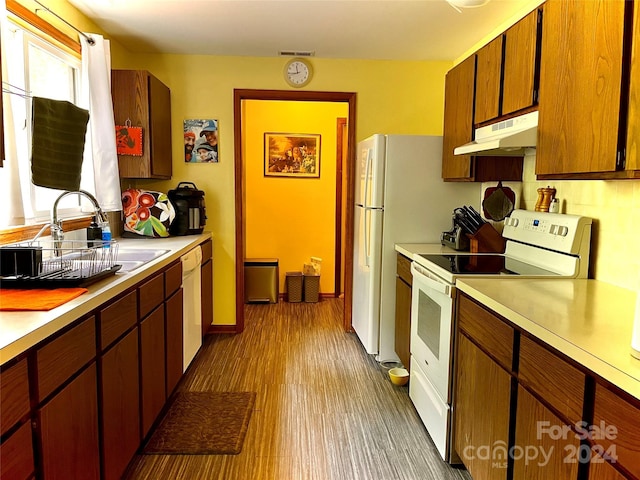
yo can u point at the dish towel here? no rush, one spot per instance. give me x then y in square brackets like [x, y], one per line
[59, 129]
[15, 300]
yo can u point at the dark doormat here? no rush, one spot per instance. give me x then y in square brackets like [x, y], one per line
[203, 423]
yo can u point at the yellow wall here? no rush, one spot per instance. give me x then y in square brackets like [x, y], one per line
[292, 219]
[615, 208]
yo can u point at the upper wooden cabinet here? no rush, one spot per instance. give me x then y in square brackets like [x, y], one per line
[458, 118]
[506, 75]
[488, 81]
[521, 63]
[633, 138]
[145, 101]
[581, 126]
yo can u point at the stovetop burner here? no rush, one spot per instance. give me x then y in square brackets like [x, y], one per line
[484, 264]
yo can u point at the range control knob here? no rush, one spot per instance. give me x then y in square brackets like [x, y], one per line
[562, 231]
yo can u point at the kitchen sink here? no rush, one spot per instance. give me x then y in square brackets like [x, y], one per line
[138, 254]
[132, 258]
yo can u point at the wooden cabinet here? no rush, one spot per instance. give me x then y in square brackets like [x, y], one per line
[581, 81]
[120, 396]
[482, 410]
[458, 119]
[546, 453]
[120, 385]
[633, 139]
[174, 340]
[488, 76]
[521, 63]
[16, 455]
[458, 130]
[140, 97]
[404, 280]
[206, 273]
[68, 426]
[152, 368]
[506, 78]
[618, 419]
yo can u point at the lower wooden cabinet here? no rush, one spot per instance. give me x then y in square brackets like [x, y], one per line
[16, 455]
[152, 368]
[174, 337]
[482, 410]
[68, 426]
[403, 310]
[120, 395]
[544, 447]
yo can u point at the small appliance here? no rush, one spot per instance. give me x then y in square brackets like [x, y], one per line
[188, 202]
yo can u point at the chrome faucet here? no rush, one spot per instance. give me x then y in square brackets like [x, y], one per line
[57, 233]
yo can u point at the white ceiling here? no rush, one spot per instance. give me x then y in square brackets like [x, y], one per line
[364, 29]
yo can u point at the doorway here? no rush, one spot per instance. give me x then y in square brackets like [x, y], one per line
[240, 191]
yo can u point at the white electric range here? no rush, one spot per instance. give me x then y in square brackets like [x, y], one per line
[538, 245]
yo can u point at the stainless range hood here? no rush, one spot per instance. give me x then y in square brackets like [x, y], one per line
[510, 137]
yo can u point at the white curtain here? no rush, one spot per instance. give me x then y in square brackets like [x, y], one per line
[10, 174]
[101, 137]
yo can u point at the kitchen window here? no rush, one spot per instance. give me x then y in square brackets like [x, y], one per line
[35, 67]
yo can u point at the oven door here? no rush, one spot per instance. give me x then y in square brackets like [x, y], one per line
[431, 328]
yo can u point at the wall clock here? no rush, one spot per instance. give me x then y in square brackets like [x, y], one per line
[298, 72]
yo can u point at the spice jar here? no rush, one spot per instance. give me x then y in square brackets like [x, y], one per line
[545, 195]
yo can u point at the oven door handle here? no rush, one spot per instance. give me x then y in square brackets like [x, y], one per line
[424, 277]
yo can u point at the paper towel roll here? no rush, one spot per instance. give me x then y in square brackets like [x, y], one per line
[635, 336]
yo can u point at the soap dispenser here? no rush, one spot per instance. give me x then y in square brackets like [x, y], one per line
[94, 232]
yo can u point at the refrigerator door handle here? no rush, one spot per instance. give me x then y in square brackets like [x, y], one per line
[365, 199]
[367, 238]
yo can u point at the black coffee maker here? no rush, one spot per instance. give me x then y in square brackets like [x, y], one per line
[188, 203]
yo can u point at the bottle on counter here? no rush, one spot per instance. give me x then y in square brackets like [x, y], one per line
[94, 232]
[106, 235]
[554, 206]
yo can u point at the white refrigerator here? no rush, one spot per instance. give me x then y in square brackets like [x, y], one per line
[400, 198]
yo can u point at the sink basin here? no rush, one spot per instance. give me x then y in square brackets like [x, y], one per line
[132, 258]
[138, 254]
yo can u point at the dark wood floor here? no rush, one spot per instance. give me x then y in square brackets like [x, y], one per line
[325, 409]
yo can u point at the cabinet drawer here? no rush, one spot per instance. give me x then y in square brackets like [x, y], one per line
[559, 383]
[207, 250]
[150, 295]
[62, 357]
[487, 330]
[14, 394]
[172, 279]
[16, 454]
[117, 318]
[614, 412]
[403, 268]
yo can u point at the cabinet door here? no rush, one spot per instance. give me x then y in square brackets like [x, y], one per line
[489, 68]
[633, 139]
[69, 430]
[458, 119]
[14, 394]
[580, 84]
[520, 65]
[482, 409]
[160, 128]
[152, 358]
[403, 322]
[16, 455]
[120, 405]
[545, 447]
[206, 273]
[174, 335]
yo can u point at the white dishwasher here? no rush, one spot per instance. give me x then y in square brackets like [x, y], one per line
[192, 309]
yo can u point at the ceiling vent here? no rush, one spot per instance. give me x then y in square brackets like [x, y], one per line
[293, 53]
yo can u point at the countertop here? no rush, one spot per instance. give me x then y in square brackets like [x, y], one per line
[20, 331]
[587, 320]
[411, 249]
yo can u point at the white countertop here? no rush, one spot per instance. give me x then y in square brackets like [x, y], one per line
[20, 331]
[587, 320]
[411, 249]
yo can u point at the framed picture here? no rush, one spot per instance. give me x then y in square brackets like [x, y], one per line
[292, 155]
[201, 141]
